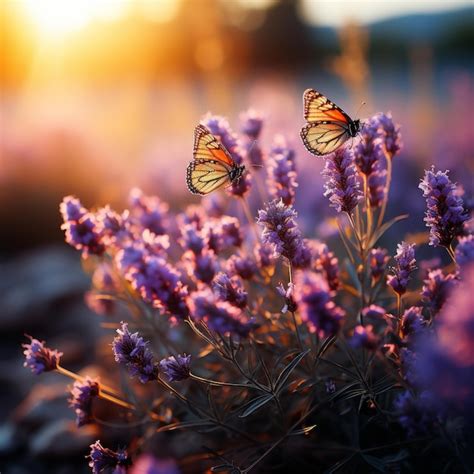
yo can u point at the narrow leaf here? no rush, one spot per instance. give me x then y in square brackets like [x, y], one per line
[286, 372]
[255, 404]
[384, 229]
[303, 431]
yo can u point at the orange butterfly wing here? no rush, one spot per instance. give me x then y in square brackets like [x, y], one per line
[212, 164]
[328, 126]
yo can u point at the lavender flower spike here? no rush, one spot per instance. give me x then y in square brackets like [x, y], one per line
[445, 213]
[313, 298]
[131, 351]
[405, 265]
[282, 176]
[104, 460]
[465, 250]
[392, 140]
[378, 259]
[82, 394]
[280, 231]
[230, 290]
[81, 228]
[176, 368]
[40, 358]
[342, 186]
[436, 289]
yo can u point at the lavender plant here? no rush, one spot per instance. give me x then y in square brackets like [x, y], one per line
[269, 347]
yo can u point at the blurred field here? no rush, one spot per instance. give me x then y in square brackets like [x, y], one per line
[95, 105]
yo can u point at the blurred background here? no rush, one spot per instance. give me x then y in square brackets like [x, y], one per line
[98, 96]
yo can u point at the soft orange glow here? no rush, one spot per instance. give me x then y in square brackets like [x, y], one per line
[55, 18]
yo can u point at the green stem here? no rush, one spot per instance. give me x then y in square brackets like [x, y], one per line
[216, 383]
[297, 331]
[387, 189]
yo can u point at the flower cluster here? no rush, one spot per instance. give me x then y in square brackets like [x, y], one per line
[40, 358]
[436, 289]
[342, 185]
[282, 173]
[275, 344]
[445, 213]
[176, 368]
[318, 311]
[281, 232]
[132, 351]
[370, 160]
[105, 460]
[81, 227]
[405, 265]
[82, 395]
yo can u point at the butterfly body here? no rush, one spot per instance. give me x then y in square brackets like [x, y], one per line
[328, 125]
[212, 167]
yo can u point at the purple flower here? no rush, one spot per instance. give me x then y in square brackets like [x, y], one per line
[104, 460]
[202, 266]
[132, 351]
[465, 250]
[327, 264]
[364, 336]
[176, 368]
[148, 211]
[378, 259]
[392, 140]
[445, 363]
[445, 213]
[80, 227]
[194, 216]
[405, 265]
[282, 176]
[230, 232]
[214, 205]
[281, 232]
[230, 290]
[40, 358]
[148, 464]
[220, 316]
[436, 289]
[411, 323]
[251, 126]
[287, 295]
[368, 150]
[376, 183]
[251, 123]
[242, 266]
[264, 256]
[159, 283]
[114, 228]
[318, 311]
[71, 209]
[82, 394]
[223, 234]
[342, 186]
[416, 415]
[373, 312]
[192, 239]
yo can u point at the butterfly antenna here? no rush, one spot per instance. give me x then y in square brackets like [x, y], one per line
[360, 107]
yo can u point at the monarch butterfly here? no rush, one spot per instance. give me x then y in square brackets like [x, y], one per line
[328, 125]
[212, 166]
